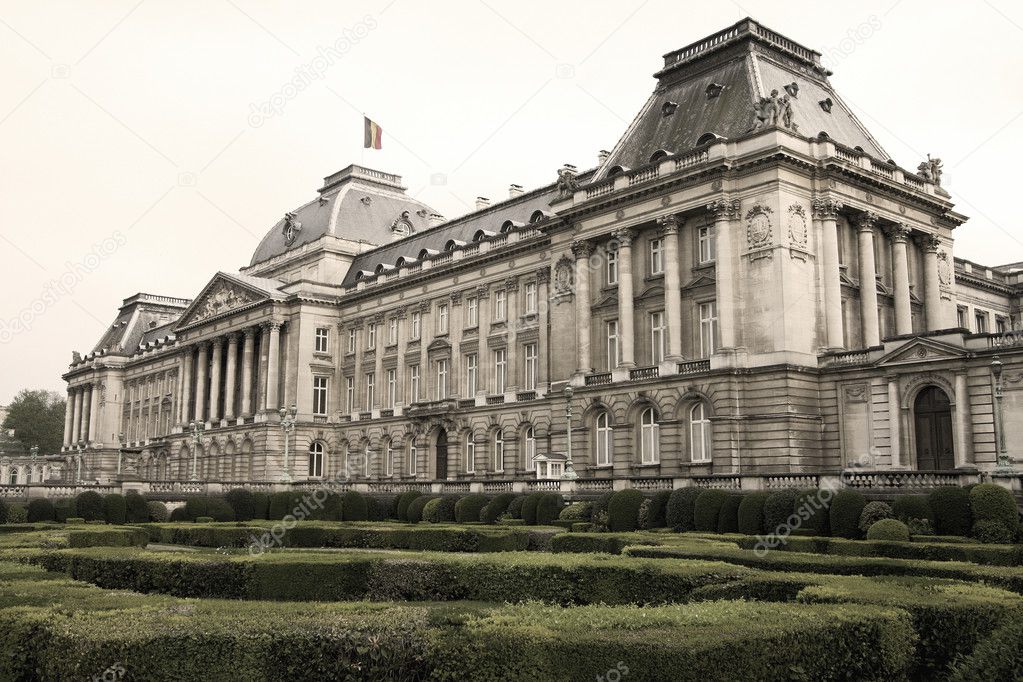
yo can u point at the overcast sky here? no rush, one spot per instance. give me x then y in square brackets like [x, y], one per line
[146, 145]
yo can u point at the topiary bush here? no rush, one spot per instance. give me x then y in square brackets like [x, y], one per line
[708, 509]
[872, 513]
[3, 511]
[991, 502]
[497, 506]
[778, 510]
[467, 509]
[386, 507]
[284, 504]
[514, 509]
[657, 510]
[373, 512]
[157, 511]
[728, 519]
[178, 514]
[844, 514]
[906, 507]
[115, 509]
[680, 513]
[415, 508]
[353, 506]
[623, 510]
[63, 509]
[889, 529]
[750, 515]
[260, 506]
[599, 507]
[577, 511]
[16, 513]
[951, 508]
[40, 509]
[548, 507]
[136, 510]
[991, 533]
[440, 509]
[643, 521]
[325, 506]
[89, 506]
[529, 506]
[241, 502]
[430, 514]
[404, 500]
[812, 507]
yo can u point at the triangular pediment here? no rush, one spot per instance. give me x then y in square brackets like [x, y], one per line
[921, 350]
[700, 281]
[224, 294]
[439, 344]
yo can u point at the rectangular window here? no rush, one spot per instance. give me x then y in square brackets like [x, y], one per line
[611, 269]
[500, 305]
[1001, 326]
[961, 317]
[322, 336]
[320, 396]
[413, 456]
[371, 336]
[389, 459]
[472, 361]
[658, 333]
[472, 311]
[532, 365]
[500, 370]
[352, 336]
[392, 388]
[708, 328]
[612, 344]
[470, 455]
[442, 319]
[392, 331]
[981, 319]
[350, 393]
[416, 326]
[706, 244]
[656, 256]
[370, 390]
[530, 298]
[413, 384]
[442, 379]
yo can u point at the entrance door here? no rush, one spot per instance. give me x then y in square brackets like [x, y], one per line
[933, 415]
[442, 454]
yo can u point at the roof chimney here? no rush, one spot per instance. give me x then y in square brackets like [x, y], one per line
[602, 156]
[435, 219]
[514, 191]
[482, 203]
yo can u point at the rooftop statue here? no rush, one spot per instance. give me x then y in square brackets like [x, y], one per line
[931, 169]
[772, 111]
[567, 184]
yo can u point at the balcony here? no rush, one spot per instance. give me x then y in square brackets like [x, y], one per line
[432, 407]
[602, 379]
[694, 367]
[645, 373]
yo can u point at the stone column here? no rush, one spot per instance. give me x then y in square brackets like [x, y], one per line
[456, 323]
[511, 286]
[401, 391]
[230, 377]
[963, 456]
[725, 211]
[94, 434]
[932, 286]
[86, 413]
[582, 250]
[379, 383]
[868, 280]
[186, 386]
[248, 358]
[76, 431]
[672, 285]
[264, 345]
[425, 337]
[826, 210]
[200, 382]
[151, 389]
[626, 297]
[900, 274]
[69, 417]
[215, 373]
[273, 367]
[894, 420]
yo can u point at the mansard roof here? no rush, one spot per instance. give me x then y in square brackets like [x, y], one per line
[139, 315]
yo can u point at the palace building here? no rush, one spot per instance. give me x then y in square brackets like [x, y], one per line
[745, 292]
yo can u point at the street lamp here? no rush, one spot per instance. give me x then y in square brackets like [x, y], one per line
[569, 472]
[1004, 461]
[198, 429]
[287, 426]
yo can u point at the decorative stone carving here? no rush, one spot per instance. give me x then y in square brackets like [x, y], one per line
[290, 229]
[793, 89]
[929, 242]
[582, 248]
[826, 208]
[799, 233]
[944, 269]
[774, 111]
[543, 275]
[669, 224]
[401, 227]
[564, 277]
[826, 104]
[669, 108]
[866, 221]
[724, 209]
[758, 227]
[714, 89]
[221, 298]
[899, 234]
[931, 169]
[624, 236]
[76, 357]
[567, 184]
[855, 393]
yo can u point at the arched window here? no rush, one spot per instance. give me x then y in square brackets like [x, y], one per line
[649, 437]
[389, 459]
[316, 460]
[706, 138]
[413, 456]
[699, 433]
[603, 443]
[529, 440]
[658, 155]
[470, 454]
[498, 451]
[13, 476]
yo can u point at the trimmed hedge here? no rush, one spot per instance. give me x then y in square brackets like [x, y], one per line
[813, 508]
[888, 529]
[951, 508]
[260, 505]
[157, 511]
[548, 508]
[529, 505]
[496, 507]
[214, 507]
[135, 508]
[89, 506]
[354, 507]
[998, 657]
[404, 500]
[242, 503]
[440, 509]
[514, 509]
[3, 511]
[750, 520]
[577, 511]
[40, 509]
[416, 507]
[680, 514]
[708, 509]
[844, 513]
[991, 502]
[657, 508]
[906, 507]
[1004, 555]
[115, 509]
[778, 509]
[469, 508]
[623, 510]
[728, 519]
[872, 513]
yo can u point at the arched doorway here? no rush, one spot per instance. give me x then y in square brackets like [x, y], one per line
[441, 451]
[933, 418]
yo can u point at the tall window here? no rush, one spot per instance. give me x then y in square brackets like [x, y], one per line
[442, 319]
[649, 437]
[1001, 325]
[961, 317]
[322, 336]
[656, 256]
[392, 331]
[472, 361]
[530, 448]
[708, 328]
[611, 266]
[658, 332]
[612, 344]
[316, 460]
[371, 336]
[352, 336]
[320, 396]
[389, 459]
[530, 296]
[392, 388]
[472, 311]
[442, 379]
[500, 370]
[498, 451]
[705, 244]
[500, 305]
[981, 318]
[413, 384]
[470, 454]
[699, 433]
[531, 366]
[416, 325]
[604, 441]
[370, 390]
[350, 393]
[413, 457]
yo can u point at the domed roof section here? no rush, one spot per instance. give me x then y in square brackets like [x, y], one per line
[358, 204]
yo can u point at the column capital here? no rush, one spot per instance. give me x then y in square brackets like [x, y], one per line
[249, 333]
[512, 282]
[898, 233]
[724, 208]
[217, 341]
[483, 291]
[543, 275]
[624, 236]
[582, 248]
[456, 298]
[929, 242]
[401, 311]
[826, 208]
[866, 221]
[669, 224]
[233, 337]
[274, 325]
[202, 346]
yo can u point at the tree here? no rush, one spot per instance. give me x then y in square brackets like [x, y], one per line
[37, 418]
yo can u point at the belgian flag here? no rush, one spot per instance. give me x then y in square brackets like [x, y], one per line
[373, 134]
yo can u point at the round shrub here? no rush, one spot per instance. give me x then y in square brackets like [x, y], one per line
[324, 506]
[656, 510]
[906, 507]
[3, 511]
[62, 509]
[990, 502]
[415, 508]
[218, 509]
[529, 506]
[373, 511]
[708, 509]
[444, 512]
[430, 514]
[241, 502]
[178, 514]
[951, 508]
[89, 505]
[497, 506]
[598, 511]
[514, 509]
[844, 514]
[387, 506]
[136, 510]
[750, 515]
[728, 519]
[812, 507]
[548, 507]
[680, 514]
[872, 513]
[260, 506]
[353, 507]
[991, 533]
[284, 504]
[115, 509]
[623, 510]
[40, 510]
[16, 513]
[404, 500]
[157, 511]
[889, 529]
[778, 510]
[468, 509]
[577, 511]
